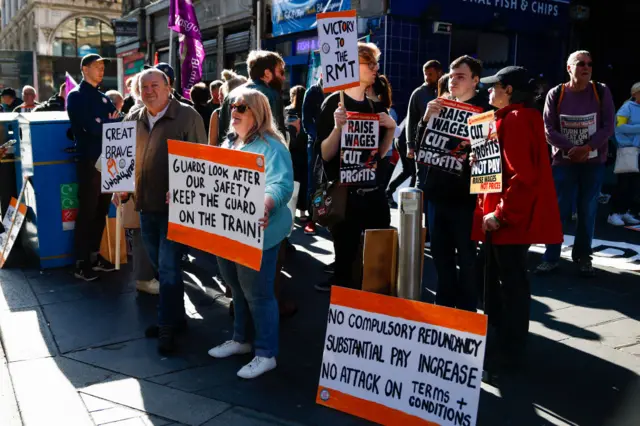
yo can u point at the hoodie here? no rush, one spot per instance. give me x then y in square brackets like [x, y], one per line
[628, 125]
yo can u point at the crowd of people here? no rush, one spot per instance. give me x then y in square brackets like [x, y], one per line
[301, 143]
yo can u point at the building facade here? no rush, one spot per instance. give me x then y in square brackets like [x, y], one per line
[60, 32]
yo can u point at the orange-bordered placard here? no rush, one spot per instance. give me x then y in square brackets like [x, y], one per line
[338, 44]
[12, 223]
[486, 171]
[401, 362]
[216, 199]
[359, 144]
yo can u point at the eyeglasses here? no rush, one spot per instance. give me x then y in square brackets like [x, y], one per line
[372, 65]
[241, 108]
[584, 64]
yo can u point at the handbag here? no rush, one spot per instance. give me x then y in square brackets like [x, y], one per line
[329, 202]
[627, 160]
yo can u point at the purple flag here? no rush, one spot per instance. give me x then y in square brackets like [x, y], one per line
[70, 84]
[183, 20]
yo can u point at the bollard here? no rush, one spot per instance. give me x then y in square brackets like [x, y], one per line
[410, 250]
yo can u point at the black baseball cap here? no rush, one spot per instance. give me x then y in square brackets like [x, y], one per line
[516, 77]
[91, 58]
[165, 68]
[8, 91]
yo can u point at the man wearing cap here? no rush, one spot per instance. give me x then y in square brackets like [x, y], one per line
[88, 109]
[579, 119]
[9, 100]
[168, 70]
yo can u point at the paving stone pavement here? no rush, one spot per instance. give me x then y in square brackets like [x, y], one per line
[75, 353]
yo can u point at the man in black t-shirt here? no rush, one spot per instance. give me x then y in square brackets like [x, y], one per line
[450, 207]
[366, 207]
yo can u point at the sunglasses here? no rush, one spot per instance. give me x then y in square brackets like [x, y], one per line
[584, 64]
[241, 108]
[372, 65]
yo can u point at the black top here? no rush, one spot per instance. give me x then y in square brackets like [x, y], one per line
[448, 188]
[326, 123]
[205, 112]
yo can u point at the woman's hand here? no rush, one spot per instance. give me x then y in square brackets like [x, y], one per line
[340, 117]
[386, 121]
[490, 223]
[433, 108]
[411, 154]
[472, 158]
[264, 222]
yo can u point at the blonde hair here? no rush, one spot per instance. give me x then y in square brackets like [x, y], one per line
[573, 58]
[369, 51]
[635, 88]
[232, 83]
[261, 110]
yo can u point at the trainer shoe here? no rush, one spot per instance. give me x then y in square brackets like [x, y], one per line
[310, 228]
[166, 341]
[546, 267]
[629, 219]
[229, 348]
[615, 219]
[103, 265]
[586, 268]
[257, 367]
[151, 287]
[84, 272]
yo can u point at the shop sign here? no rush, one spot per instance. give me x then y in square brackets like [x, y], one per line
[292, 16]
[123, 28]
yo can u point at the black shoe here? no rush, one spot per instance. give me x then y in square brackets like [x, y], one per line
[153, 331]
[103, 265]
[330, 268]
[166, 341]
[85, 273]
[324, 287]
[586, 268]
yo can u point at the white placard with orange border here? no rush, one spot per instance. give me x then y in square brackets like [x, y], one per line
[486, 171]
[216, 201]
[338, 42]
[12, 222]
[401, 362]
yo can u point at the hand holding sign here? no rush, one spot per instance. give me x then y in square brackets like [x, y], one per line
[340, 117]
[433, 108]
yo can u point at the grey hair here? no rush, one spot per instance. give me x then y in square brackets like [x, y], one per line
[27, 88]
[112, 94]
[573, 58]
[635, 88]
[151, 71]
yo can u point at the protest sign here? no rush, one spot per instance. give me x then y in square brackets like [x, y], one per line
[447, 136]
[486, 172]
[118, 157]
[338, 41]
[216, 201]
[578, 129]
[358, 148]
[396, 361]
[12, 222]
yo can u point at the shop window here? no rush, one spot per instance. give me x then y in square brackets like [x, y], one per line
[210, 71]
[493, 49]
[81, 36]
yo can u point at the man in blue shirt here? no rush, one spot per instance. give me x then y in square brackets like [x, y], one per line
[88, 109]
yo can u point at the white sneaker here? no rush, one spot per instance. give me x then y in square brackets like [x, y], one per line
[151, 287]
[228, 348]
[257, 367]
[629, 219]
[615, 220]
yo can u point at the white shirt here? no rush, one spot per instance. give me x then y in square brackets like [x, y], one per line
[153, 120]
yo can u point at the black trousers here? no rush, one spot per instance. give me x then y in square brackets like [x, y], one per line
[93, 208]
[408, 170]
[626, 197]
[508, 295]
[368, 211]
[7, 186]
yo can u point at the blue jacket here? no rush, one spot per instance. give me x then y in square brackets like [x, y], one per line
[313, 98]
[88, 109]
[628, 134]
[278, 185]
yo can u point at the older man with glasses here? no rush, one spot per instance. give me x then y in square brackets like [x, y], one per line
[579, 118]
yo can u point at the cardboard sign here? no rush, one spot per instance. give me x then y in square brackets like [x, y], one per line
[118, 157]
[12, 223]
[447, 136]
[69, 205]
[358, 148]
[216, 200]
[578, 129]
[400, 362]
[486, 172]
[338, 41]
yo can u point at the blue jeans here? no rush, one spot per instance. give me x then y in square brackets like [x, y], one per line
[585, 179]
[450, 232]
[166, 258]
[254, 290]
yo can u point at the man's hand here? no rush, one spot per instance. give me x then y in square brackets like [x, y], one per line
[340, 117]
[490, 223]
[579, 154]
[433, 108]
[411, 154]
[114, 115]
[386, 121]
[3, 152]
